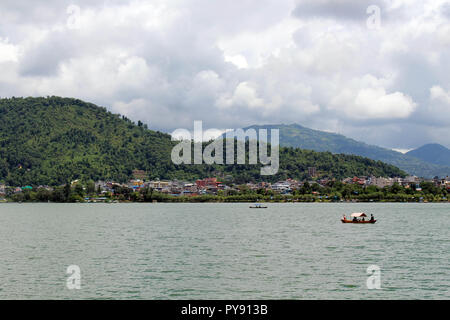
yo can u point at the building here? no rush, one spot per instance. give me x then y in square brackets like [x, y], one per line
[281, 186]
[136, 184]
[207, 182]
[264, 185]
[324, 182]
[252, 186]
[293, 184]
[358, 180]
[445, 183]
[381, 182]
[411, 180]
[140, 175]
[158, 184]
[104, 186]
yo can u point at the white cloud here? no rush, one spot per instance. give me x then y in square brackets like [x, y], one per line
[367, 98]
[373, 103]
[257, 46]
[439, 94]
[438, 110]
[238, 60]
[376, 103]
[8, 51]
[244, 95]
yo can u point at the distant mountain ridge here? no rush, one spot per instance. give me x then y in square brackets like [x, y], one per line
[433, 153]
[297, 136]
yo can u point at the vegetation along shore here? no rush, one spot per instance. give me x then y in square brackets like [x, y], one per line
[332, 191]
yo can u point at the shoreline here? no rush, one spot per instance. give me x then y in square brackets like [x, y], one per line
[218, 202]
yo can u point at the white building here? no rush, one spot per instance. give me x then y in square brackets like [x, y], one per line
[281, 186]
[381, 182]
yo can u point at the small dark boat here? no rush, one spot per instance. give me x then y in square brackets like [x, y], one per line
[355, 219]
[359, 221]
[258, 206]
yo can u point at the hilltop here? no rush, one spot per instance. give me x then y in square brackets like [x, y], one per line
[54, 140]
[433, 153]
[297, 136]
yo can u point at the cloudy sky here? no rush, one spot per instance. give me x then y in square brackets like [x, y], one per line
[374, 70]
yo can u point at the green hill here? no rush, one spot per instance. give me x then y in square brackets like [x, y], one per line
[297, 136]
[54, 140]
[433, 153]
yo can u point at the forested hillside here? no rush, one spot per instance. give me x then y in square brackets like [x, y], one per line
[54, 140]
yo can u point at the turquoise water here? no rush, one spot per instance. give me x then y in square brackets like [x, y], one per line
[223, 251]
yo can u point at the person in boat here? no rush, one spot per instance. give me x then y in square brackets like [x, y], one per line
[371, 217]
[355, 219]
[343, 217]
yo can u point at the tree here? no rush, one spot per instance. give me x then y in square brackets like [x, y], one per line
[43, 195]
[396, 188]
[79, 190]
[90, 187]
[305, 189]
[67, 190]
[58, 195]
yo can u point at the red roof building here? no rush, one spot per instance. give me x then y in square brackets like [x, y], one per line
[207, 182]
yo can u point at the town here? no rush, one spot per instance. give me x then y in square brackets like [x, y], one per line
[214, 189]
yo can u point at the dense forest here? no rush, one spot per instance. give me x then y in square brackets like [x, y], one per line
[53, 140]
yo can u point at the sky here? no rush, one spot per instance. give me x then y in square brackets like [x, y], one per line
[377, 71]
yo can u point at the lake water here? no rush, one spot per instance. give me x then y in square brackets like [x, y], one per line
[223, 251]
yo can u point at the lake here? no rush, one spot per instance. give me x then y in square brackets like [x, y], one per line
[223, 251]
